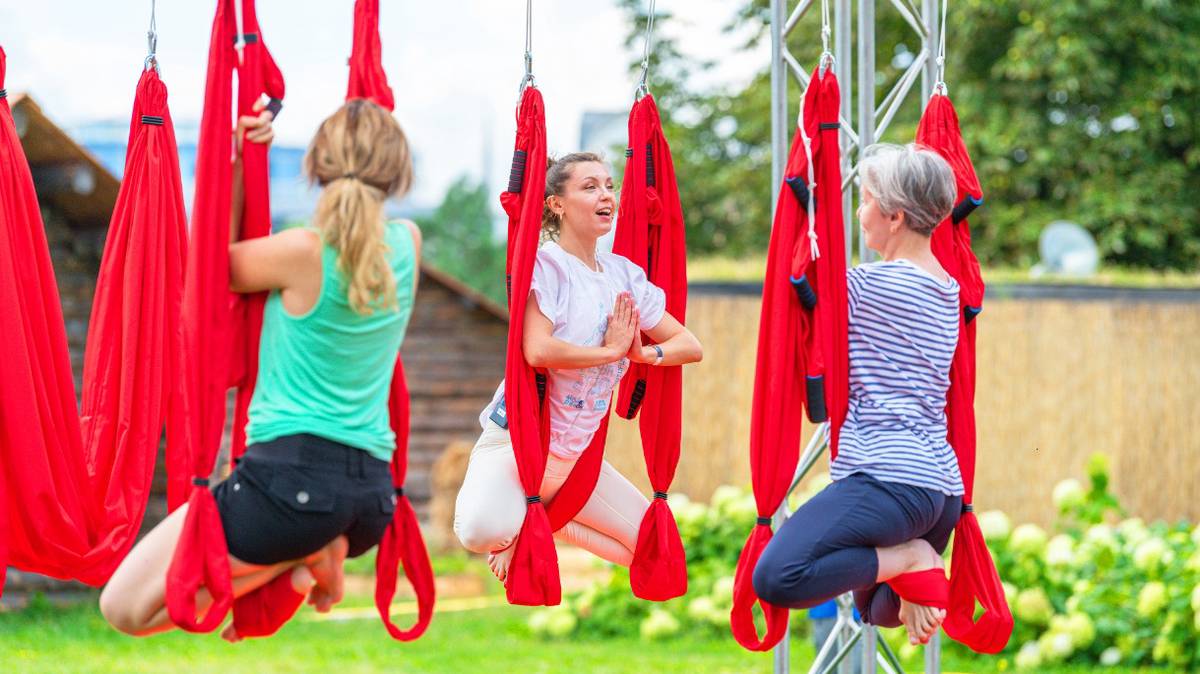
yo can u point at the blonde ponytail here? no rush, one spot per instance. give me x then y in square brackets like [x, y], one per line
[360, 157]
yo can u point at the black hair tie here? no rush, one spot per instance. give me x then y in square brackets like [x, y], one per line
[530, 500]
[153, 120]
[200, 481]
[662, 495]
[764, 521]
[399, 492]
[968, 508]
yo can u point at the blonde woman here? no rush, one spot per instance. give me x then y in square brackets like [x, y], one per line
[314, 485]
[585, 315]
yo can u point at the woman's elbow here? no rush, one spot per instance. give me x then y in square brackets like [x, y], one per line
[695, 350]
[534, 356]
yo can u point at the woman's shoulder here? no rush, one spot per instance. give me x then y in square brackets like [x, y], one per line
[406, 225]
[618, 265]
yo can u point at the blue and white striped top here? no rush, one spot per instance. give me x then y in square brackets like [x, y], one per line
[903, 332]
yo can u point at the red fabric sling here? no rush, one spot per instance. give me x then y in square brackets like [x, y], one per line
[651, 234]
[367, 77]
[973, 575]
[533, 573]
[802, 344]
[195, 429]
[257, 75]
[263, 611]
[74, 482]
[402, 542]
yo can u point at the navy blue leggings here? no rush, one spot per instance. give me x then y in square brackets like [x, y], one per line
[828, 546]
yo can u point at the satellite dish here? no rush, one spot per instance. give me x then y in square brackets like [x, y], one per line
[1066, 248]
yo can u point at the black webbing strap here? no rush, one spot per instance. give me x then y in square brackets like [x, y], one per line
[516, 175]
[635, 398]
[152, 120]
[814, 388]
[650, 178]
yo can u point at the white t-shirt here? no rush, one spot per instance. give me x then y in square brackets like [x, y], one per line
[578, 301]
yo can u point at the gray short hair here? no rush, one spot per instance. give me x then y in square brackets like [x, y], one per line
[912, 179]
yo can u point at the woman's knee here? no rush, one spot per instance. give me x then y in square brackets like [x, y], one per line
[481, 534]
[118, 610]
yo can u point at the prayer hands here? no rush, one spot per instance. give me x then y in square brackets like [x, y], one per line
[623, 325]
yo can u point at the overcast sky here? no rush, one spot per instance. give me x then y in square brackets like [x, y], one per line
[454, 65]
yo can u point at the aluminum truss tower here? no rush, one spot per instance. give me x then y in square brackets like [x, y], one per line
[872, 119]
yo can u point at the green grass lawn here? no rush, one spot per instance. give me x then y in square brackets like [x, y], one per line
[44, 640]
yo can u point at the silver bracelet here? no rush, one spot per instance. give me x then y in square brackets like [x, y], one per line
[659, 351]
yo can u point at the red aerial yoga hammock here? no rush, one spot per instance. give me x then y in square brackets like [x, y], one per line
[263, 611]
[650, 232]
[533, 572]
[74, 482]
[972, 573]
[802, 359]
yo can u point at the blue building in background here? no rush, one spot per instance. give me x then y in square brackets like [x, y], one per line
[292, 199]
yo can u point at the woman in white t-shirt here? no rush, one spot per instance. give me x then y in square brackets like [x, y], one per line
[586, 312]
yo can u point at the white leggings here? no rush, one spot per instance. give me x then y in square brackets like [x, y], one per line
[491, 505]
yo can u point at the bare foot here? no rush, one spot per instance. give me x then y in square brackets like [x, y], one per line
[499, 560]
[230, 634]
[328, 575]
[922, 622]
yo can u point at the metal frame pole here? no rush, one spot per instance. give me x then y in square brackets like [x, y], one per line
[866, 93]
[858, 87]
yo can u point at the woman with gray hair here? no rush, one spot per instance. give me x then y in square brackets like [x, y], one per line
[896, 494]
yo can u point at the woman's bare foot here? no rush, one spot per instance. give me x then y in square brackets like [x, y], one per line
[325, 566]
[922, 622]
[499, 560]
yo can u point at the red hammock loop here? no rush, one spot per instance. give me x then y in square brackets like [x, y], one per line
[264, 611]
[973, 576]
[796, 345]
[402, 542]
[197, 422]
[533, 573]
[651, 234]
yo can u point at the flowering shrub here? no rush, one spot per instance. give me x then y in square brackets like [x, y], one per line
[1101, 590]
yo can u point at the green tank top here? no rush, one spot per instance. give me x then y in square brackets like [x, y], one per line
[328, 372]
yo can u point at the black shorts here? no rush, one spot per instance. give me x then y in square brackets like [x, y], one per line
[291, 496]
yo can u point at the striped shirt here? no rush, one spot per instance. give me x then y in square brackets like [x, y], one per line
[903, 332]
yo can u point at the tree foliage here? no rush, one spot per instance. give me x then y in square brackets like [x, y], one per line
[458, 238]
[1086, 111]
